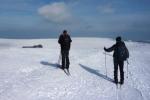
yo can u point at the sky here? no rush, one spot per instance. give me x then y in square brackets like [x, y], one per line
[86, 18]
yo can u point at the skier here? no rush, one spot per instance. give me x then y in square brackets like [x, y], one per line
[120, 55]
[65, 42]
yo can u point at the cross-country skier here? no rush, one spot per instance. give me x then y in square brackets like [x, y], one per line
[65, 42]
[120, 55]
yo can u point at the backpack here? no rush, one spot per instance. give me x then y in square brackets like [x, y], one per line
[122, 52]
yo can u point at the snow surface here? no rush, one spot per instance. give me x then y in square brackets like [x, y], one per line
[32, 74]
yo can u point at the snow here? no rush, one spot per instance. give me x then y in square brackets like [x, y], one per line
[32, 74]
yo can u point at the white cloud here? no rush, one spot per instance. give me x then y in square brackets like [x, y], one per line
[56, 12]
[106, 9]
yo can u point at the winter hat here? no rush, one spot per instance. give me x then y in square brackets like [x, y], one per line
[118, 38]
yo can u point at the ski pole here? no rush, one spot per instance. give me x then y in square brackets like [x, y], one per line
[59, 59]
[127, 68]
[105, 64]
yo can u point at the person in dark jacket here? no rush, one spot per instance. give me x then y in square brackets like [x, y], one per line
[65, 42]
[118, 57]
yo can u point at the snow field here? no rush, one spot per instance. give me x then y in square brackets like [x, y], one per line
[32, 74]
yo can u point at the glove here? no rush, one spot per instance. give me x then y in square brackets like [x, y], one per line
[104, 48]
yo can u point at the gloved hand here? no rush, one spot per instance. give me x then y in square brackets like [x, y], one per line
[104, 48]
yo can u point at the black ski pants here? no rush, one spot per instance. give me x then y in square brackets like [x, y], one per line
[65, 59]
[119, 64]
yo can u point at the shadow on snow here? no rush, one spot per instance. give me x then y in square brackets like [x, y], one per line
[55, 65]
[95, 72]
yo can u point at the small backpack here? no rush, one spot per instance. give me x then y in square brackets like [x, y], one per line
[122, 52]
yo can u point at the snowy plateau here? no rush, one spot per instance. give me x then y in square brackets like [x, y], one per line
[32, 73]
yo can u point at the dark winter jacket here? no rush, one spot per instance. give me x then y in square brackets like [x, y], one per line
[64, 41]
[115, 49]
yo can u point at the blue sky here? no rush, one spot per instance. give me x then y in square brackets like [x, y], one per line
[47, 18]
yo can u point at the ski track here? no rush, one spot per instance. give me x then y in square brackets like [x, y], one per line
[32, 74]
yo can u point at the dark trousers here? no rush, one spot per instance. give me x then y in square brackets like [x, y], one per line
[119, 64]
[65, 59]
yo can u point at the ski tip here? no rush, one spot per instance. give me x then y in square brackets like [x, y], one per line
[67, 72]
[118, 86]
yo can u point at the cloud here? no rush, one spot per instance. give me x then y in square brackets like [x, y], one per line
[106, 9]
[56, 12]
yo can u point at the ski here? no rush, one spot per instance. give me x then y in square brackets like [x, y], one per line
[68, 72]
[118, 86]
[116, 91]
